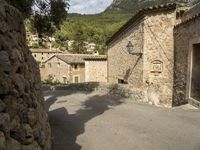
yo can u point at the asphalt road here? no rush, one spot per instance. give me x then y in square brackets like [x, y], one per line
[96, 121]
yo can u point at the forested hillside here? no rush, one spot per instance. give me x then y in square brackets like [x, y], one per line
[98, 28]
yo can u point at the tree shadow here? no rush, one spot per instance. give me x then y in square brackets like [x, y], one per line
[67, 127]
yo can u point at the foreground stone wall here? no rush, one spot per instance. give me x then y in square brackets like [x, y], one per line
[186, 35]
[23, 121]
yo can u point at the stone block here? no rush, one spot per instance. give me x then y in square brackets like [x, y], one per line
[2, 141]
[2, 106]
[4, 61]
[12, 144]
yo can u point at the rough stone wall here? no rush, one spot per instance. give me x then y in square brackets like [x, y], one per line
[23, 121]
[159, 48]
[121, 64]
[57, 68]
[154, 37]
[186, 35]
[96, 71]
[134, 94]
[42, 56]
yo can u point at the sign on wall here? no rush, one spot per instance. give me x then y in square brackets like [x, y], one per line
[157, 66]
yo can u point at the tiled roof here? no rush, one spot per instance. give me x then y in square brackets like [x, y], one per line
[97, 57]
[76, 58]
[72, 59]
[141, 14]
[43, 50]
[190, 15]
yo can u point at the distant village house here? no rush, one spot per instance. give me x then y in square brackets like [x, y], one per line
[75, 68]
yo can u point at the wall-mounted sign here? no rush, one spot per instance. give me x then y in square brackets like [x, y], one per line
[157, 66]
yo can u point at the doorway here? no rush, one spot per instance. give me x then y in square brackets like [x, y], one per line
[195, 77]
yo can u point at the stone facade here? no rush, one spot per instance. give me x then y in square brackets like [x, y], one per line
[187, 39]
[96, 70]
[75, 68]
[62, 71]
[122, 65]
[158, 47]
[41, 55]
[151, 32]
[23, 120]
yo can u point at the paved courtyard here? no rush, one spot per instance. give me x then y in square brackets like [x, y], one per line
[96, 121]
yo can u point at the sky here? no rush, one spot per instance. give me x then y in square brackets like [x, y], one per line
[88, 6]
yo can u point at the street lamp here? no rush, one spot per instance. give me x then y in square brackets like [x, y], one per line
[130, 49]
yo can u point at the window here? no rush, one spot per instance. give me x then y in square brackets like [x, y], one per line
[121, 81]
[76, 79]
[35, 55]
[64, 80]
[49, 65]
[42, 53]
[42, 58]
[75, 67]
[58, 64]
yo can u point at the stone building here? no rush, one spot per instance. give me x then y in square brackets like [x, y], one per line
[42, 55]
[75, 68]
[148, 64]
[96, 68]
[187, 59]
[69, 68]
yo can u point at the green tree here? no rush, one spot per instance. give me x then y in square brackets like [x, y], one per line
[79, 39]
[46, 15]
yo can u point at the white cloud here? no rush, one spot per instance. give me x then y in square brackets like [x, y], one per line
[88, 6]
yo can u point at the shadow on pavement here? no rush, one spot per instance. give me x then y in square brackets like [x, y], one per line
[66, 127]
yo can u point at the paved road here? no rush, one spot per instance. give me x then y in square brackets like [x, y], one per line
[94, 121]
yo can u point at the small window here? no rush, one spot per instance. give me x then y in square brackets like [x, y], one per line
[76, 79]
[75, 67]
[64, 80]
[42, 53]
[58, 64]
[35, 55]
[121, 81]
[42, 58]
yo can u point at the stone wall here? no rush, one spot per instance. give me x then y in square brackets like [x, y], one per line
[96, 71]
[121, 64]
[153, 72]
[57, 68]
[23, 120]
[186, 35]
[112, 89]
[159, 50]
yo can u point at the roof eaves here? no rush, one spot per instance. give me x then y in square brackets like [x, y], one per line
[140, 15]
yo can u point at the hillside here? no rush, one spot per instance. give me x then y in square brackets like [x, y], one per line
[132, 6]
[98, 28]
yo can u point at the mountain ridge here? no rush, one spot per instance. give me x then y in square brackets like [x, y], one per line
[127, 6]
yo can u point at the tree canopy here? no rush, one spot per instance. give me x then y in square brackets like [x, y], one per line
[45, 15]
